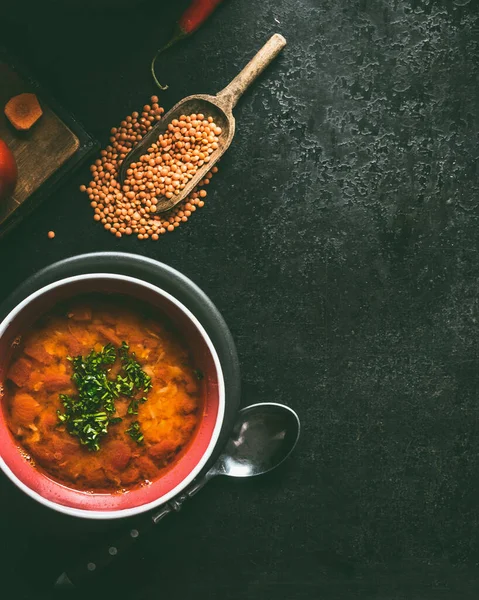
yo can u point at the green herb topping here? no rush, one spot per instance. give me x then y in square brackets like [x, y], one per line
[133, 406]
[88, 415]
[134, 432]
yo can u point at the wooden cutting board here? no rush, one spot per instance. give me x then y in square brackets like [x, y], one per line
[39, 152]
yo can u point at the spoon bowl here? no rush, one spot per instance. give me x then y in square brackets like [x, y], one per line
[199, 103]
[220, 107]
[263, 437]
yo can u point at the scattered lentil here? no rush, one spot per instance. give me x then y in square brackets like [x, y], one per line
[164, 170]
[51, 234]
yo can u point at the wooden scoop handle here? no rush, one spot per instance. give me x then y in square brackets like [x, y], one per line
[233, 92]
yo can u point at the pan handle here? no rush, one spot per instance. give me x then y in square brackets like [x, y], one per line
[97, 561]
[233, 92]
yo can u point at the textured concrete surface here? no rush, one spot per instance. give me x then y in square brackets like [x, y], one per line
[340, 242]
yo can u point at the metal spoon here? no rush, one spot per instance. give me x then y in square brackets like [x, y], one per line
[263, 436]
[220, 107]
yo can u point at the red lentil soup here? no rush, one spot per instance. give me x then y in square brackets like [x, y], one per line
[140, 430]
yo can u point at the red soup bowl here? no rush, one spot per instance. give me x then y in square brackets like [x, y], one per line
[35, 482]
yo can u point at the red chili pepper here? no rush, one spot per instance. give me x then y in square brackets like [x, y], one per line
[193, 17]
[196, 14]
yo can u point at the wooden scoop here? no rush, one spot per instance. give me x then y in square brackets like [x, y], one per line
[219, 107]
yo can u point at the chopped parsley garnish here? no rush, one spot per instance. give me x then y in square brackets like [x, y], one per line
[135, 378]
[88, 414]
[134, 432]
[133, 406]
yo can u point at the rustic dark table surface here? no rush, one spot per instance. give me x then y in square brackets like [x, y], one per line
[340, 243]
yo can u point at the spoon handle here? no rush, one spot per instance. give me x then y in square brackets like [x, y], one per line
[97, 561]
[233, 92]
[176, 504]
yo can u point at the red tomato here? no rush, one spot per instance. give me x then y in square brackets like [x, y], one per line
[8, 171]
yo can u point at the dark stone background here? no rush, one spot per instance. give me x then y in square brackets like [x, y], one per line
[339, 241]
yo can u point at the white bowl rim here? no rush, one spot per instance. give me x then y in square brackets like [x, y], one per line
[126, 512]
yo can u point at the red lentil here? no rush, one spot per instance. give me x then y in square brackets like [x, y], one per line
[164, 170]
